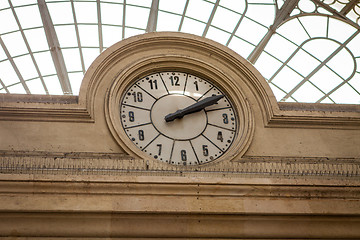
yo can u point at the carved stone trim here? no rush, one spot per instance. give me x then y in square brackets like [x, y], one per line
[120, 164]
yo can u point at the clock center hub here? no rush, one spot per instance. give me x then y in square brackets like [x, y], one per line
[188, 127]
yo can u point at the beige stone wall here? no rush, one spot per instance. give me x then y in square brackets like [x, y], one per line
[66, 169]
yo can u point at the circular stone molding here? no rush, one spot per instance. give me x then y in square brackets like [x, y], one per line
[154, 53]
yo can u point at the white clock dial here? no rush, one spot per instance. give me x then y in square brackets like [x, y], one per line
[178, 118]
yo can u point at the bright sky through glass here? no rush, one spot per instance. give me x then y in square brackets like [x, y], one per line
[309, 55]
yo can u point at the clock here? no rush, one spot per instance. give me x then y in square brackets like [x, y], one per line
[178, 118]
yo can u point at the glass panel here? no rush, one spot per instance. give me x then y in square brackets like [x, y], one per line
[339, 30]
[277, 92]
[29, 17]
[66, 36]
[267, 65]
[287, 79]
[280, 47]
[290, 99]
[327, 100]
[225, 19]
[35, 86]
[307, 93]
[251, 31]
[72, 59]
[2, 54]
[307, 6]
[45, 63]
[111, 13]
[26, 67]
[18, 88]
[144, 3]
[218, 35]
[263, 14]
[86, 12]
[325, 79]
[7, 74]
[111, 35]
[7, 17]
[355, 81]
[192, 26]
[89, 56]
[320, 48]
[89, 35]
[241, 47]
[303, 63]
[15, 44]
[22, 2]
[168, 22]
[238, 6]
[343, 63]
[4, 4]
[137, 17]
[36, 39]
[193, 10]
[293, 31]
[346, 94]
[129, 32]
[172, 6]
[354, 46]
[61, 13]
[53, 85]
[315, 25]
[75, 81]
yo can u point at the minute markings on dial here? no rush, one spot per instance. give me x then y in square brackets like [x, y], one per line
[162, 80]
[137, 84]
[232, 130]
[139, 125]
[151, 142]
[186, 80]
[210, 110]
[212, 142]
[197, 158]
[134, 106]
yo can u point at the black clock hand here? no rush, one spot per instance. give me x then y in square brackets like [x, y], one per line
[196, 107]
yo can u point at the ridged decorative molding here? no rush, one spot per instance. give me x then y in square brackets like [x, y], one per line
[122, 164]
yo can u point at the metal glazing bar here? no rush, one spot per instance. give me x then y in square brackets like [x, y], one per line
[153, 16]
[211, 18]
[78, 37]
[55, 49]
[3, 86]
[28, 48]
[123, 20]
[237, 25]
[319, 66]
[336, 13]
[350, 5]
[281, 16]
[11, 60]
[183, 15]
[101, 45]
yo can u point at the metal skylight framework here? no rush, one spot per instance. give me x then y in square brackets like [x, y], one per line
[308, 50]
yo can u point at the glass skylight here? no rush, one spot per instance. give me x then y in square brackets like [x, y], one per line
[308, 50]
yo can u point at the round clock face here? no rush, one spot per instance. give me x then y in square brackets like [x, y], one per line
[178, 118]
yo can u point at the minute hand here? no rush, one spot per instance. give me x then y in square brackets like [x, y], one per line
[196, 107]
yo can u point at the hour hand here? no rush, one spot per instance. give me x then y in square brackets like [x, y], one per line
[196, 107]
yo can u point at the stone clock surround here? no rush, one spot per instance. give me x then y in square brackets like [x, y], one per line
[66, 170]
